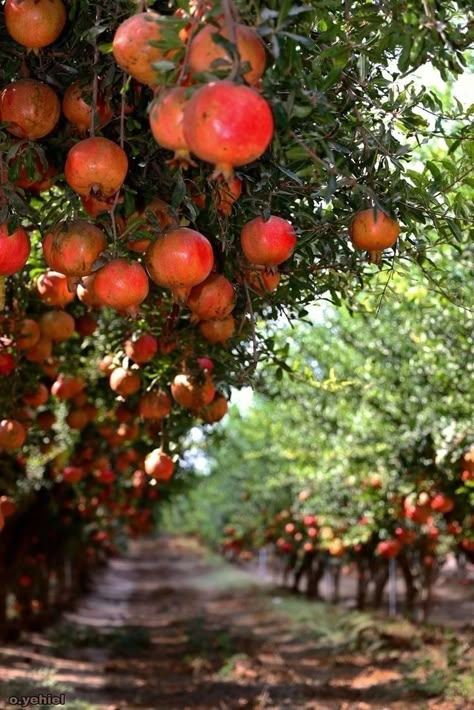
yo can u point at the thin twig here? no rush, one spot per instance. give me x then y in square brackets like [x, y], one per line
[121, 143]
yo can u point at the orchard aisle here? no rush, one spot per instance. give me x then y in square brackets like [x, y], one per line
[189, 632]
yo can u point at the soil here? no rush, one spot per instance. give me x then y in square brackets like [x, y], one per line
[218, 640]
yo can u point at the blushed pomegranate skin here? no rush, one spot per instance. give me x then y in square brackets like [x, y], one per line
[124, 382]
[157, 210]
[78, 111]
[154, 405]
[166, 122]
[159, 465]
[37, 396]
[121, 284]
[192, 394]
[96, 165]
[86, 294]
[227, 124]
[30, 107]
[143, 349]
[65, 387]
[226, 193]
[373, 231]
[180, 258]
[35, 23]
[218, 331]
[389, 548]
[12, 435]
[263, 281]
[57, 325]
[14, 250]
[213, 298]
[40, 351]
[215, 411]
[53, 289]
[268, 243]
[73, 248]
[203, 51]
[132, 49]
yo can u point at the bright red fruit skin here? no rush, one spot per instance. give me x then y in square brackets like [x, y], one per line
[213, 298]
[121, 284]
[14, 250]
[180, 258]
[268, 243]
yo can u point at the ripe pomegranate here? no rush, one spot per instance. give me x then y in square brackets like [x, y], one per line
[190, 393]
[77, 419]
[389, 548]
[66, 387]
[37, 396]
[205, 363]
[143, 349]
[227, 124]
[226, 193]
[86, 293]
[73, 247]
[121, 284]
[214, 298]
[85, 325]
[14, 249]
[57, 325]
[53, 289]
[7, 364]
[179, 259]
[106, 365]
[159, 465]
[46, 420]
[124, 382]
[73, 474]
[78, 110]
[336, 547]
[263, 281]
[12, 435]
[156, 211]
[42, 178]
[132, 49]
[373, 231]
[218, 331]
[40, 351]
[27, 334]
[96, 165]
[268, 243]
[7, 506]
[35, 23]
[406, 537]
[204, 51]
[30, 107]
[215, 411]
[166, 123]
[154, 405]
[442, 504]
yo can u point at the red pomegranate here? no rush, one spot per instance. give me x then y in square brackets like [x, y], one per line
[35, 23]
[37, 396]
[218, 331]
[159, 465]
[226, 193]
[215, 411]
[30, 107]
[85, 325]
[132, 49]
[179, 259]
[166, 122]
[389, 548]
[12, 435]
[73, 474]
[94, 206]
[66, 387]
[143, 349]
[227, 124]
[14, 249]
[442, 503]
[7, 364]
[192, 394]
[106, 365]
[42, 177]
[27, 334]
[124, 382]
[205, 363]
[78, 110]
[53, 289]
[156, 211]
[40, 351]
[96, 165]
[46, 420]
[268, 243]
[86, 293]
[204, 50]
[263, 281]
[406, 537]
[57, 325]
[73, 247]
[373, 231]
[77, 419]
[154, 405]
[214, 298]
[121, 284]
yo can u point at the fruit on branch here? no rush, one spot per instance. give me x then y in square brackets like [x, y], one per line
[96, 166]
[7, 364]
[132, 49]
[35, 23]
[27, 334]
[228, 125]
[37, 396]
[263, 282]
[192, 393]
[86, 294]
[442, 503]
[121, 284]
[373, 231]
[12, 434]
[157, 215]
[78, 109]
[389, 548]
[166, 123]
[159, 465]
[214, 298]
[226, 192]
[218, 331]
[85, 324]
[124, 382]
[30, 108]
[73, 247]
[44, 173]
[204, 50]
[40, 351]
[143, 349]
[15, 249]
[57, 325]
[53, 289]
[179, 259]
[154, 405]
[73, 474]
[268, 243]
[215, 410]
[66, 387]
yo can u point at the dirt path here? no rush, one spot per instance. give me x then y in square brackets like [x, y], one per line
[166, 628]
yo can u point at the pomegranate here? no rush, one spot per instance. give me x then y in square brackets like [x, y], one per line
[166, 123]
[96, 165]
[73, 247]
[205, 363]
[159, 465]
[442, 504]
[406, 537]
[85, 325]
[66, 387]
[268, 243]
[86, 293]
[73, 474]
[77, 419]
[57, 325]
[154, 405]
[204, 51]
[389, 548]
[132, 49]
[143, 349]
[37, 396]
[179, 259]
[157, 211]
[106, 365]
[227, 124]
[12, 435]
[53, 289]
[35, 23]
[40, 351]
[217, 331]
[78, 110]
[94, 206]
[124, 382]
[215, 411]
[226, 193]
[214, 298]
[30, 107]
[7, 364]
[263, 281]
[7, 506]
[192, 394]
[121, 284]
[42, 178]
[27, 334]
[373, 231]
[14, 249]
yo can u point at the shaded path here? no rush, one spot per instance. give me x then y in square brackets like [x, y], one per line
[192, 633]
